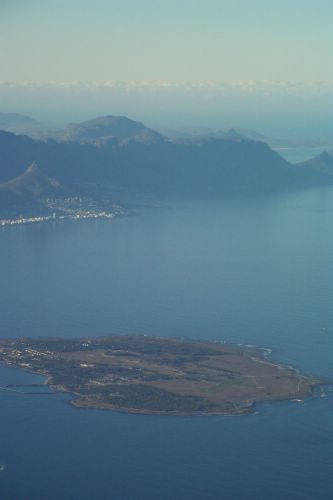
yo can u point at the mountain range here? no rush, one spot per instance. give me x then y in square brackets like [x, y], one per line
[119, 159]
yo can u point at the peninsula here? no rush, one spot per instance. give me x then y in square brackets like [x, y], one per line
[158, 376]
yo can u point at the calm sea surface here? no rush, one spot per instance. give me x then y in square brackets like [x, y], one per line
[254, 271]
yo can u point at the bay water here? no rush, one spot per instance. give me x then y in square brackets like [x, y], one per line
[241, 270]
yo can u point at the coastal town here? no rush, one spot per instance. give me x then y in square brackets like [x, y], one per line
[71, 208]
[79, 215]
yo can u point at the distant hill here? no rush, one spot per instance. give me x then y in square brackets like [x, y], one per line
[200, 133]
[17, 123]
[186, 133]
[322, 163]
[108, 127]
[231, 134]
[252, 134]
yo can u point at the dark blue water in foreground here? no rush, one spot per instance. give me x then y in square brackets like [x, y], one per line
[241, 270]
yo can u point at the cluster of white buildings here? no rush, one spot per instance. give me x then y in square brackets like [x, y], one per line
[24, 220]
[81, 214]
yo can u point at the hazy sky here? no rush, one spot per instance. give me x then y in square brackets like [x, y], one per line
[189, 61]
[172, 40]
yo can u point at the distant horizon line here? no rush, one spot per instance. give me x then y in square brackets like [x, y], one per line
[243, 85]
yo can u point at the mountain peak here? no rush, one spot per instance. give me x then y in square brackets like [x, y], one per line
[108, 127]
[32, 183]
[33, 168]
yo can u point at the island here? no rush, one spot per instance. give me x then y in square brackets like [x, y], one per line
[142, 374]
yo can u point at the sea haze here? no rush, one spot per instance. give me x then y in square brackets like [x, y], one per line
[239, 269]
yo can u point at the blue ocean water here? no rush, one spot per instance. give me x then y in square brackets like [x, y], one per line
[245, 270]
